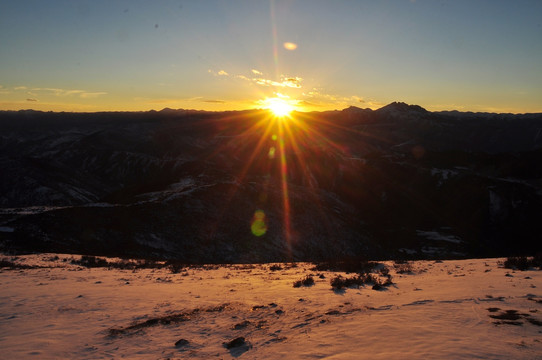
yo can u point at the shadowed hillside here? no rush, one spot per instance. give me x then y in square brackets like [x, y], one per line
[245, 187]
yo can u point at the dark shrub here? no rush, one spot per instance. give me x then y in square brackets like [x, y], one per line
[307, 281]
[339, 282]
[523, 263]
[95, 262]
[6, 263]
[90, 261]
[403, 268]
[175, 267]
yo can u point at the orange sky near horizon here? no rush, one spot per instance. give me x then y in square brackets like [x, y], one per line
[316, 55]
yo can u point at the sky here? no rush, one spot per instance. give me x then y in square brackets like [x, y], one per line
[134, 55]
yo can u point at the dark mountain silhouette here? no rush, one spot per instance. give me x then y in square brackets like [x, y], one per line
[399, 181]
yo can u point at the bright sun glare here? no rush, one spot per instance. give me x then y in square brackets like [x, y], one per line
[279, 107]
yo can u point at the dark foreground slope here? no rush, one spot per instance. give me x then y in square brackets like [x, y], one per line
[398, 181]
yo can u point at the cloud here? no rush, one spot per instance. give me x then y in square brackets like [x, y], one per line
[215, 101]
[63, 92]
[31, 99]
[358, 99]
[285, 81]
[292, 82]
[290, 46]
[218, 73]
[56, 92]
[91, 95]
[308, 103]
[20, 88]
[172, 101]
[265, 82]
[282, 96]
[318, 98]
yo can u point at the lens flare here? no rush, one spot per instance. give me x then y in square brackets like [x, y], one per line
[259, 226]
[290, 46]
[271, 153]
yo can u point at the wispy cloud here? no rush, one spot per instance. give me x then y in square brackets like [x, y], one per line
[214, 101]
[306, 103]
[218, 73]
[29, 99]
[67, 92]
[20, 88]
[174, 101]
[284, 81]
[315, 98]
[91, 95]
[319, 98]
[292, 82]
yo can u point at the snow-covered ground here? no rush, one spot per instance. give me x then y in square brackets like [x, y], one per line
[440, 311]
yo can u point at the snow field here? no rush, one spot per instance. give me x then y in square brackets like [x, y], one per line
[61, 310]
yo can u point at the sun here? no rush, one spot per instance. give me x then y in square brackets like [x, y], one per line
[278, 106]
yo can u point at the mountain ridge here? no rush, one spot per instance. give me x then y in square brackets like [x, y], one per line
[186, 184]
[394, 105]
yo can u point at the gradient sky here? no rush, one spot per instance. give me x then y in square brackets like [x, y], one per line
[230, 55]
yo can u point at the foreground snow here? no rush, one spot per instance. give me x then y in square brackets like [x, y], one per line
[438, 311]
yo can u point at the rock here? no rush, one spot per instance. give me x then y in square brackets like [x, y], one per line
[237, 342]
[241, 325]
[182, 343]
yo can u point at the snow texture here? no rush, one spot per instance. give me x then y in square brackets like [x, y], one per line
[440, 310]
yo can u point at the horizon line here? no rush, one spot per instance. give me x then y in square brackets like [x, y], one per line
[266, 110]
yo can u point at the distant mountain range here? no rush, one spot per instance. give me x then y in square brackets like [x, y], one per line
[399, 181]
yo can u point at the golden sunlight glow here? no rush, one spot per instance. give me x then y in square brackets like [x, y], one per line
[278, 106]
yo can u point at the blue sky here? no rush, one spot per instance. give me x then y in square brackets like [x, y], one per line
[222, 55]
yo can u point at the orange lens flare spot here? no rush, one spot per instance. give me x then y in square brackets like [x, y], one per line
[258, 226]
[290, 46]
